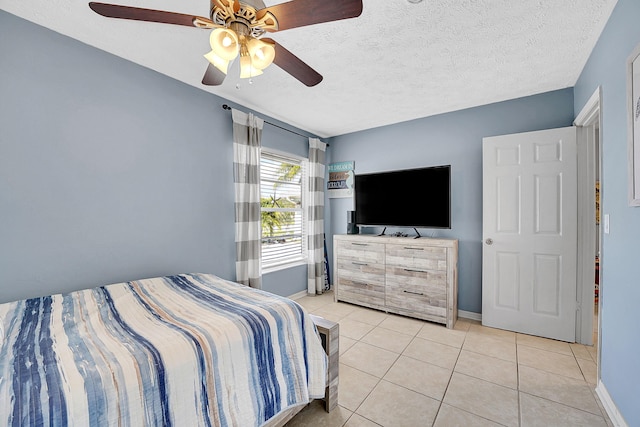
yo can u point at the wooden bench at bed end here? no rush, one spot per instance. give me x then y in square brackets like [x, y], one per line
[330, 334]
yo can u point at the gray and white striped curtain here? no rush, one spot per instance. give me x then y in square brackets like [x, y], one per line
[315, 218]
[247, 132]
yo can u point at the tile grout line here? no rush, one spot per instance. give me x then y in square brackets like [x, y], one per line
[453, 370]
[368, 394]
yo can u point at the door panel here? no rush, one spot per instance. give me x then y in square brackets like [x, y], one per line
[529, 233]
[508, 192]
[507, 281]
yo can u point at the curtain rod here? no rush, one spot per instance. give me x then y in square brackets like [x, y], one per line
[226, 107]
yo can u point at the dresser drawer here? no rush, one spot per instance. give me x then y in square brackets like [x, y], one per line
[361, 251]
[360, 281]
[418, 257]
[417, 291]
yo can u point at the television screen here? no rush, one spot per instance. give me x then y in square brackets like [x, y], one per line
[405, 198]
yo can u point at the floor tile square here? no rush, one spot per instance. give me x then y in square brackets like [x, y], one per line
[549, 361]
[589, 371]
[449, 416]
[345, 343]
[354, 329]
[558, 388]
[440, 333]
[311, 303]
[338, 309]
[485, 399]
[422, 377]
[393, 406]
[387, 339]
[496, 333]
[580, 351]
[359, 421]
[368, 315]
[328, 314]
[405, 325]
[438, 354]
[488, 368]
[490, 345]
[462, 325]
[538, 412]
[544, 344]
[354, 386]
[370, 359]
[315, 415]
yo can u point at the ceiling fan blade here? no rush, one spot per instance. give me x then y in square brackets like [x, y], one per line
[213, 76]
[294, 65]
[298, 13]
[151, 15]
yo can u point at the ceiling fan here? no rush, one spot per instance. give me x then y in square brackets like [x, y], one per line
[238, 28]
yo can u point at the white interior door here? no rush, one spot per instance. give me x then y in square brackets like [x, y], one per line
[530, 233]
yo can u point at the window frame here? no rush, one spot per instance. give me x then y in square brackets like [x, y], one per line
[297, 260]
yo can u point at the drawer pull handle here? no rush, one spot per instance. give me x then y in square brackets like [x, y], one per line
[359, 263]
[359, 244]
[414, 249]
[359, 283]
[414, 271]
[413, 293]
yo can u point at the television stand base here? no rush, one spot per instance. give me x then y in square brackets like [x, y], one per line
[382, 234]
[417, 233]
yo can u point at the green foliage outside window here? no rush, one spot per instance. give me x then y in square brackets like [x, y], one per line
[276, 223]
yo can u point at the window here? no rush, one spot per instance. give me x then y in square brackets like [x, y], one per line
[282, 189]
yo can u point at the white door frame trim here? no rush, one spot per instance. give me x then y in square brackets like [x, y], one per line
[589, 116]
[592, 108]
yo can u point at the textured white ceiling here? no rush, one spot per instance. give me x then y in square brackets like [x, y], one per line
[398, 61]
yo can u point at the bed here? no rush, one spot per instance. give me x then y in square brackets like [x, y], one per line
[187, 350]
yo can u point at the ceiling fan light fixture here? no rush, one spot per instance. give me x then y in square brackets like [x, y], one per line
[262, 54]
[220, 63]
[236, 23]
[224, 43]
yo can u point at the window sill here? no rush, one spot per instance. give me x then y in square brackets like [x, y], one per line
[284, 265]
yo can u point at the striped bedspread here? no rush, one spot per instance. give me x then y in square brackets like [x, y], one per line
[186, 350]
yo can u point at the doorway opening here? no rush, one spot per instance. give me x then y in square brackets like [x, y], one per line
[590, 260]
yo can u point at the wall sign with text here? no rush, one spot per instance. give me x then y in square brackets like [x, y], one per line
[341, 177]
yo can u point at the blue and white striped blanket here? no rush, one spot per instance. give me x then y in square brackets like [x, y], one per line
[186, 350]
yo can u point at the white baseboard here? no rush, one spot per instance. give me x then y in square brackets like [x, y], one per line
[470, 315]
[612, 410]
[298, 295]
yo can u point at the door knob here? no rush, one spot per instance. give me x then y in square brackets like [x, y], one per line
[489, 241]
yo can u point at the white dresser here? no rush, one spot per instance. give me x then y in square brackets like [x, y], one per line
[402, 275]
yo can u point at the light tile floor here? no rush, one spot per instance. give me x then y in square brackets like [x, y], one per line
[397, 371]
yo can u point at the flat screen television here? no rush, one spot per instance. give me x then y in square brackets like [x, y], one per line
[418, 198]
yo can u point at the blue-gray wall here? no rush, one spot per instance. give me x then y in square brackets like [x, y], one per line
[620, 285]
[456, 139]
[110, 171]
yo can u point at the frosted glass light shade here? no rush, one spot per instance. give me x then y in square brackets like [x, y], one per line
[224, 43]
[216, 61]
[247, 70]
[261, 53]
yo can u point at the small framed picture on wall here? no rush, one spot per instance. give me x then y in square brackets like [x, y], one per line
[633, 105]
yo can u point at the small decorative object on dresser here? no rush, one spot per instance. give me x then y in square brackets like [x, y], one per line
[411, 277]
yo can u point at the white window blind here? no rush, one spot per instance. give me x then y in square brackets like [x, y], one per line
[282, 189]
